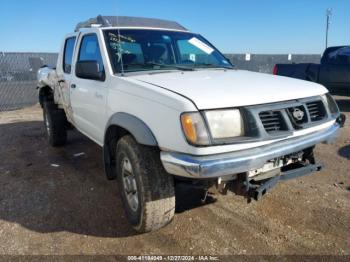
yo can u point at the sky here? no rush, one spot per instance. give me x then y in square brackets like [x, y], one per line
[233, 26]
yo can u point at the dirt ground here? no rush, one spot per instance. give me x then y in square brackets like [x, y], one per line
[53, 201]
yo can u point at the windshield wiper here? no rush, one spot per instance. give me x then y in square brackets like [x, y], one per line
[184, 68]
[213, 66]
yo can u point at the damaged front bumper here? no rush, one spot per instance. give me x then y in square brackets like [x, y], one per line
[256, 191]
[221, 165]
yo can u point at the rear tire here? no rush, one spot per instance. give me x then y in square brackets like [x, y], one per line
[147, 190]
[55, 124]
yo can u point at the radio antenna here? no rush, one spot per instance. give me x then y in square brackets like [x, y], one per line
[120, 48]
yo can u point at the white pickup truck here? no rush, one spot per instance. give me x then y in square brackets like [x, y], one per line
[168, 108]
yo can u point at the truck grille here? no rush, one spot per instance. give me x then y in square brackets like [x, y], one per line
[272, 121]
[292, 118]
[297, 122]
[316, 110]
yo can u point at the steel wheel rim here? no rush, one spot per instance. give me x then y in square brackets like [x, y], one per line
[129, 185]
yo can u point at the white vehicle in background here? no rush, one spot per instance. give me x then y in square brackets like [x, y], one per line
[167, 107]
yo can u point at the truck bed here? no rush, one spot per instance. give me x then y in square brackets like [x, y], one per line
[47, 76]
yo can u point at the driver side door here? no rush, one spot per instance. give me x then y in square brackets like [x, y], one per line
[88, 95]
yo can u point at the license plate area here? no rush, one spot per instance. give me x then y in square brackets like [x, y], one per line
[270, 166]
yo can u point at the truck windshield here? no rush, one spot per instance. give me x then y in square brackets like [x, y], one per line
[145, 50]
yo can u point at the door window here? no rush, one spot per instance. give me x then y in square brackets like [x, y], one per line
[90, 50]
[68, 55]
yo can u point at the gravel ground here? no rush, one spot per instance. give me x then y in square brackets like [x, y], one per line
[54, 202]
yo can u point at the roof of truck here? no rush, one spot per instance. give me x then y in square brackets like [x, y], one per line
[129, 22]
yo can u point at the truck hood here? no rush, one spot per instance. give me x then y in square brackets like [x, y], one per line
[214, 88]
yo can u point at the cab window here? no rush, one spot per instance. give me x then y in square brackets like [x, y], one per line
[68, 54]
[90, 50]
[340, 56]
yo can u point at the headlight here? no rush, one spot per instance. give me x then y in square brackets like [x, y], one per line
[225, 123]
[194, 128]
[332, 105]
[222, 124]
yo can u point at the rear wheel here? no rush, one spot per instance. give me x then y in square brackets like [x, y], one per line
[146, 189]
[55, 124]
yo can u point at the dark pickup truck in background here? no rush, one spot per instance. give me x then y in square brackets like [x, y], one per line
[333, 72]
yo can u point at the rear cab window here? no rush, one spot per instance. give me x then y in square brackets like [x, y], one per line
[339, 56]
[68, 54]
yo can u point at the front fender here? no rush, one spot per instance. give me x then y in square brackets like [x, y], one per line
[135, 126]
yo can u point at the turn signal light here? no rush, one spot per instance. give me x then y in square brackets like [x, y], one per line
[188, 127]
[194, 128]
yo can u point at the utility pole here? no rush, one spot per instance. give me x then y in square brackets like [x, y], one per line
[328, 14]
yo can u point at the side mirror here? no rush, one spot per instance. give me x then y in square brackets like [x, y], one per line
[89, 70]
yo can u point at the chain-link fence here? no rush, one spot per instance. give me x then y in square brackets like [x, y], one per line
[18, 72]
[18, 78]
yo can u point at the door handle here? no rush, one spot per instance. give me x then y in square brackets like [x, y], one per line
[73, 86]
[98, 95]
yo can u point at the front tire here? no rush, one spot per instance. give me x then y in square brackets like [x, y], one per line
[55, 124]
[146, 189]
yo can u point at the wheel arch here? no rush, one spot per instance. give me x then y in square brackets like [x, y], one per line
[118, 125]
[45, 92]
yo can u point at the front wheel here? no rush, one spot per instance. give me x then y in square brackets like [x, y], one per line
[146, 189]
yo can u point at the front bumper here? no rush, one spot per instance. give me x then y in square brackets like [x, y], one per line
[221, 165]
